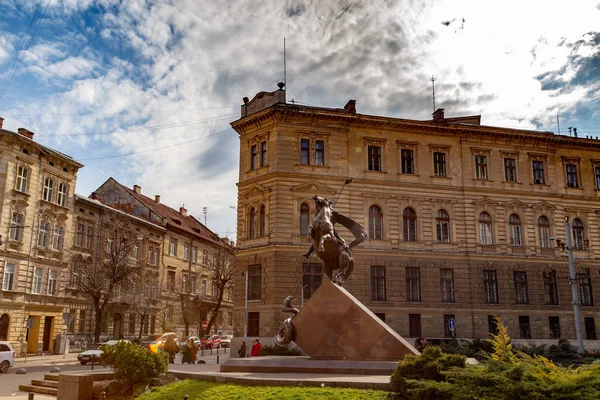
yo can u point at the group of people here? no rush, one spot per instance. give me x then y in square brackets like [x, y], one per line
[189, 350]
[254, 351]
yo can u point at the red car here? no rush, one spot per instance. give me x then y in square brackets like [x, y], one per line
[211, 342]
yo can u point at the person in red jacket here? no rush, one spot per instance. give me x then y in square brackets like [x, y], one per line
[256, 346]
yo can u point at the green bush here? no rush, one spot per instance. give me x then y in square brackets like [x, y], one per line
[132, 362]
[279, 351]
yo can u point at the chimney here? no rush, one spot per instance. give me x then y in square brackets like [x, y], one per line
[183, 211]
[575, 132]
[157, 198]
[350, 107]
[137, 189]
[438, 115]
[1, 122]
[26, 133]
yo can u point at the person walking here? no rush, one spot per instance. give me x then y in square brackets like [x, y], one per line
[242, 350]
[193, 350]
[186, 353]
[256, 346]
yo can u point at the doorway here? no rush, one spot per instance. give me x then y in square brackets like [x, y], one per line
[33, 333]
[48, 325]
[117, 326]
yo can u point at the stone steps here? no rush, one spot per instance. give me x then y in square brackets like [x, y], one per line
[45, 383]
[51, 377]
[39, 389]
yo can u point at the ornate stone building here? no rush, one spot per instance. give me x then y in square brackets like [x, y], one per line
[461, 219]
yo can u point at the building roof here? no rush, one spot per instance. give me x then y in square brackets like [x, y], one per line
[176, 220]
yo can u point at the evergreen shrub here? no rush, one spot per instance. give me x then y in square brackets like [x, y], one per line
[132, 362]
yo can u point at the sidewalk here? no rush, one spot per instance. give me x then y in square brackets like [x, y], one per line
[52, 359]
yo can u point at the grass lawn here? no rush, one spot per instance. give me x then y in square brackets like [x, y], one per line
[197, 390]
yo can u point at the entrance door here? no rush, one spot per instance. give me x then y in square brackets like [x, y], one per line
[48, 322]
[4, 319]
[33, 334]
[117, 326]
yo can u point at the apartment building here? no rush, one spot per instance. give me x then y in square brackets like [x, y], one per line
[462, 219]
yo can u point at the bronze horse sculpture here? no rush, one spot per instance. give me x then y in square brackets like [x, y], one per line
[330, 247]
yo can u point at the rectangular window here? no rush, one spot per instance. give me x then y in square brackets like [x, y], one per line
[52, 283]
[171, 281]
[550, 288]
[173, 247]
[43, 234]
[492, 325]
[374, 154]
[193, 283]
[136, 250]
[538, 172]
[131, 324]
[585, 290]
[590, 328]
[263, 154]
[319, 152]
[571, 171]
[480, 167]
[9, 277]
[253, 157]
[37, 281]
[59, 236]
[447, 332]
[22, 179]
[413, 284]
[554, 325]
[439, 164]
[510, 170]
[407, 157]
[311, 280]
[89, 240]
[16, 228]
[378, 283]
[186, 251]
[447, 285]
[150, 255]
[414, 325]
[304, 151]
[62, 194]
[184, 282]
[109, 243]
[521, 289]
[205, 257]
[203, 288]
[490, 287]
[524, 327]
[194, 254]
[79, 235]
[156, 255]
[71, 326]
[253, 324]
[48, 193]
[597, 175]
[81, 327]
[254, 281]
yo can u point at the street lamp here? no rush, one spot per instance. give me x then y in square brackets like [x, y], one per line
[573, 282]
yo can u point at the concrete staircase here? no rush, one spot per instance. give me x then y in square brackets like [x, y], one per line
[47, 386]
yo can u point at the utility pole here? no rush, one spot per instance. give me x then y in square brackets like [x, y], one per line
[574, 286]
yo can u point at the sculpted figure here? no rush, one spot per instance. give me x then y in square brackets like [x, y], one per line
[286, 333]
[330, 247]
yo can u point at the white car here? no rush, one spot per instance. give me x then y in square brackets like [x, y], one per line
[94, 355]
[7, 356]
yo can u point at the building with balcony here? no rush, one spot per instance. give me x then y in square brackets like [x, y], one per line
[461, 219]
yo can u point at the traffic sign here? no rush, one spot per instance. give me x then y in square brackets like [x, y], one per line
[451, 324]
[204, 325]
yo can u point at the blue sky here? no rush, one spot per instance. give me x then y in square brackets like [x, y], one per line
[145, 91]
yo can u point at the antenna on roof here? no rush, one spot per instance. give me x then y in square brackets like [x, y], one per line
[284, 68]
[433, 88]
[204, 211]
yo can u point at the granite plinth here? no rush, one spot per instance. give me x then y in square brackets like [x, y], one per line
[333, 324]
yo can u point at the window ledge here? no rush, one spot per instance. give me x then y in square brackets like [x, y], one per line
[513, 182]
[483, 180]
[19, 193]
[377, 172]
[313, 166]
[408, 174]
[440, 177]
[574, 188]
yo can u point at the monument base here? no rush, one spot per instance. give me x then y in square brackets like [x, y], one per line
[306, 365]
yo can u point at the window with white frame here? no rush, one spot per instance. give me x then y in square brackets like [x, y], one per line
[173, 247]
[43, 234]
[442, 224]
[409, 222]
[263, 154]
[374, 158]
[203, 289]
[253, 156]
[514, 223]
[62, 194]
[52, 283]
[578, 235]
[439, 163]
[8, 283]
[485, 229]
[375, 223]
[49, 185]
[16, 228]
[544, 231]
[407, 160]
[156, 254]
[37, 280]
[186, 251]
[136, 250]
[109, 243]
[304, 219]
[194, 254]
[79, 236]
[124, 250]
[481, 171]
[59, 237]
[22, 179]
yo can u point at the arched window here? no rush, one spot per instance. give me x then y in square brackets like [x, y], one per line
[375, 223]
[514, 224]
[304, 217]
[442, 223]
[262, 221]
[4, 327]
[409, 216]
[544, 231]
[485, 228]
[578, 237]
[252, 225]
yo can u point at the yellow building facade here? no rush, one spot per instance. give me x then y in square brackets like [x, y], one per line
[462, 219]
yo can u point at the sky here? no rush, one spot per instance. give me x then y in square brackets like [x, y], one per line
[145, 91]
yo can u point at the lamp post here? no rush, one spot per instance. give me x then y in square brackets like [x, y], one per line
[245, 274]
[574, 286]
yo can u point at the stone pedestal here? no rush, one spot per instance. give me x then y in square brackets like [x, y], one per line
[333, 324]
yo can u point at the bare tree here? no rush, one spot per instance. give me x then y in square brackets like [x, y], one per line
[104, 273]
[222, 269]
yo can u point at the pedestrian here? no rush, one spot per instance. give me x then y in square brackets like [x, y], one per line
[193, 350]
[186, 353]
[172, 348]
[242, 350]
[256, 346]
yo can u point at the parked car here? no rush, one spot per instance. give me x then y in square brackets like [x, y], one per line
[94, 355]
[226, 340]
[7, 356]
[211, 342]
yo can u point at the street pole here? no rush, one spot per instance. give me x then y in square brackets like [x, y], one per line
[246, 307]
[574, 286]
